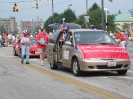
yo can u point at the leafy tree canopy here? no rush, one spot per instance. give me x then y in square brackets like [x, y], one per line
[95, 14]
[2, 29]
[68, 14]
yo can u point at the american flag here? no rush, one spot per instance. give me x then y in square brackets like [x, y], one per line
[62, 27]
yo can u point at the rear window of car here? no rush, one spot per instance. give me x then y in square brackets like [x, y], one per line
[33, 41]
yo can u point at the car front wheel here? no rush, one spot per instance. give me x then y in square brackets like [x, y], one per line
[75, 67]
[122, 72]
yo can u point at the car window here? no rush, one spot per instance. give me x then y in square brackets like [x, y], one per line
[69, 37]
[93, 37]
[54, 36]
[33, 41]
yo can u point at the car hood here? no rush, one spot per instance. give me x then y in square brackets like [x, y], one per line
[33, 47]
[111, 51]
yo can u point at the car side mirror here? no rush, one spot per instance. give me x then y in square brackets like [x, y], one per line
[68, 43]
[118, 41]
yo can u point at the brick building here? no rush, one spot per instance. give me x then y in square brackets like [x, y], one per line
[29, 24]
[9, 24]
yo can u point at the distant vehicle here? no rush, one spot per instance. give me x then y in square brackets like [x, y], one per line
[87, 50]
[32, 51]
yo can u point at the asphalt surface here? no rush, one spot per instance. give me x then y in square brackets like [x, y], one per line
[33, 81]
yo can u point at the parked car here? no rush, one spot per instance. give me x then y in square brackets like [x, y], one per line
[87, 50]
[32, 51]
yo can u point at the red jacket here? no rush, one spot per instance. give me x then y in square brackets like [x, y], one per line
[123, 37]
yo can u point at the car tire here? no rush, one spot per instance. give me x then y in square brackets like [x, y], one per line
[53, 66]
[122, 72]
[75, 67]
[14, 52]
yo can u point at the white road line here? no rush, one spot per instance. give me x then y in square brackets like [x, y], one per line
[130, 71]
[125, 77]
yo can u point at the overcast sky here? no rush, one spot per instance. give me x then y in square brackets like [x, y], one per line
[26, 12]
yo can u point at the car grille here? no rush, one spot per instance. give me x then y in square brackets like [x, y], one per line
[32, 52]
[106, 67]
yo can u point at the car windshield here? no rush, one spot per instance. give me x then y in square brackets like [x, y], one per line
[33, 41]
[93, 37]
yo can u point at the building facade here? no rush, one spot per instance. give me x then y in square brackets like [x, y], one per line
[9, 24]
[122, 19]
[29, 24]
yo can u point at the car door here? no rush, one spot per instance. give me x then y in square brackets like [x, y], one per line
[51, 48]
[50, 52]
[67, 51]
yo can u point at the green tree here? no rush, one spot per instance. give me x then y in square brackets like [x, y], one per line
[94, 7]
[2, 29]
[95, 14]
[68, 14]
[80, 20]
[16, 31]
[117, 28]
[111, 21]
[119, 12]
[125, 26]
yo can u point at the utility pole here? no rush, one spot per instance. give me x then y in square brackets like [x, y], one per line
[86, 7]
[102, 3]
[38, 20]
[53, 11]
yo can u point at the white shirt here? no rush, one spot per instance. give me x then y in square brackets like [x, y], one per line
[111, 34]
[13, 38]
[9, 36]
[25, 39]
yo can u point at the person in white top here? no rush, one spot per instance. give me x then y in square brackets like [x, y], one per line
[9, 39]
[25, 46]
[111, 34]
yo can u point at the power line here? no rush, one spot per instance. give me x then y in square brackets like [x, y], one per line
[34, 7]
[20, 1]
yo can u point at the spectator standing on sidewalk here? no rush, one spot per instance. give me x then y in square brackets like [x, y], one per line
[42, 39]
[118, 35]
[6, 40]
[25, 42]
[9, 39]
[123, 39]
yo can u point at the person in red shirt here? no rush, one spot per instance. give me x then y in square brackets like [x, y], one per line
[123, 40]
[42, 39]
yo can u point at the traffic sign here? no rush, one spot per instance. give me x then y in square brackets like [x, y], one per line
[86, 17]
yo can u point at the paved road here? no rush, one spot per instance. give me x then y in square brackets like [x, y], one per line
[33, 81]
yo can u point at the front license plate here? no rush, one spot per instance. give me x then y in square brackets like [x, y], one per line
[111, 63]
[36, 52]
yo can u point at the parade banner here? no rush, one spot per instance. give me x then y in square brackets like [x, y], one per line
[114, 51]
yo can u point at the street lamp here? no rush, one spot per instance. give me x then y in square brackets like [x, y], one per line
[86, 20]
[69, 6]
[130, 22]
[106, 9]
